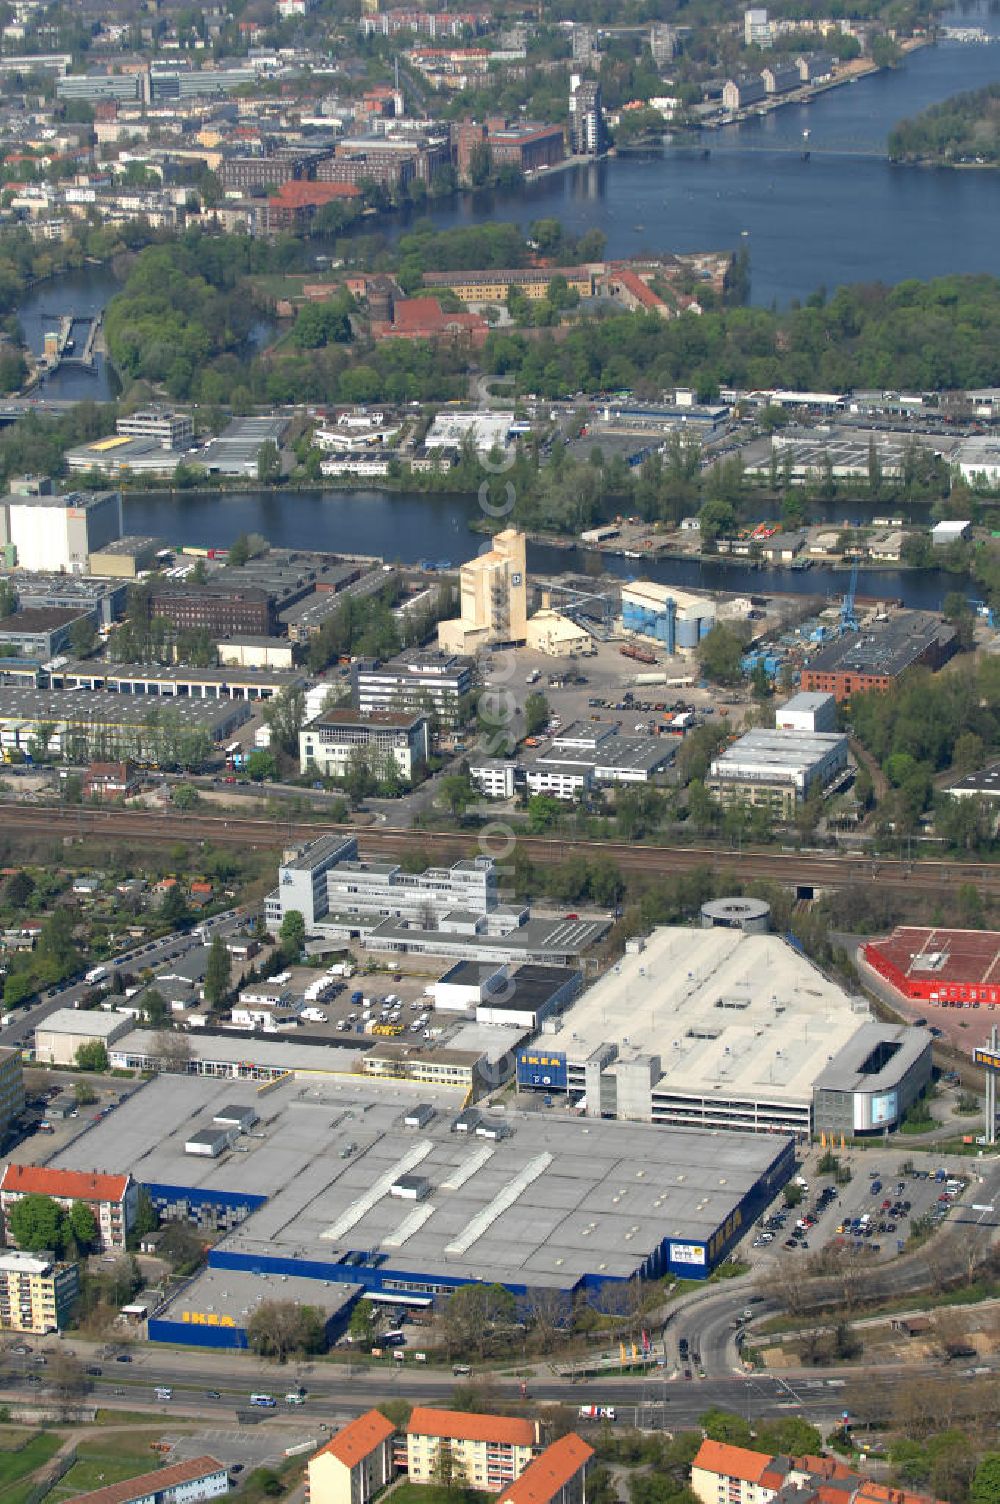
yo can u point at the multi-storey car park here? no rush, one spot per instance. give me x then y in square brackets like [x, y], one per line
[404, 1193]
[712, 1027]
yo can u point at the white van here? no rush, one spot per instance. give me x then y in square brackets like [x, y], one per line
[163, 1393]
[294, 1398]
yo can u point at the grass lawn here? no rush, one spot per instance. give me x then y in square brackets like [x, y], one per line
[433, 1493]
[106, 1460]
[33, 1449]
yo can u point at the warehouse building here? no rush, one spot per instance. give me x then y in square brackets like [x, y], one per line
[874, 658]
[875, 1078]
[524, 1199]
[952, 968]
[673, 618]
[982, 785]
[85, 726]
[711, 1027]
[58, 1038]
[126, 558]
[40, 631]
[58, 532]
[215, 1308]
[778, 769]
[152, 680]
[807, 712]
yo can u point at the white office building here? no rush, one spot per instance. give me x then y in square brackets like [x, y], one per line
[808, 711]
[388, 741]
[59, 533]
[432, 683]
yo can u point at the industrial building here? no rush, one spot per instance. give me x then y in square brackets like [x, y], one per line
[46, 532]
[122, 454]
[335, 1186]
[36, 1291]
[127, 557]
[953, 968]
[104, 598]
[982, 785]
[153, 681]
[391, 743]
[869, 1085]
[778, 769]
[709, 1027]
[493, 593]
[874, 658]
[236, 451]
[588, 752]
[172, 430]
[671, 617]
[82, 726]
[455, 911]
[58, 1037]
[39, 631]
[807, 712]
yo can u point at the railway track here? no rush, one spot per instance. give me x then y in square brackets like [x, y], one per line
[798, 869]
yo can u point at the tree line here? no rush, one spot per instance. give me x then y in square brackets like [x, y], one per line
[964, 128]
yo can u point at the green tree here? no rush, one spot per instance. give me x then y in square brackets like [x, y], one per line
[82, 1226]
[458, 793]
[85, 1094]
[92, 1056]
[985, 1487]
[543, 813]
[536, 714]
[268, 463]
[184, 796]
[720, 654]
[173, 906]
[261, 764]
[37, 1223]
[217, 972]
[283, 1329]
[362, 1323]
[82, 637]
[292, 935]
[147, 1218]
[285, 715]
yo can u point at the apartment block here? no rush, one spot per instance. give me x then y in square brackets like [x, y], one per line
[487, 1452]
[11, 1087]
[355, 1465]
[112, 1199]
[558, 1476]
[36, 1292]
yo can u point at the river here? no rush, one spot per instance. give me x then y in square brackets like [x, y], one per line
[846, 215]
[405, 527]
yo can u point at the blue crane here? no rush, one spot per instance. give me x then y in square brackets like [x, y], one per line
[848, 618]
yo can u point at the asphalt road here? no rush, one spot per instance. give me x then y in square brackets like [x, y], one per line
[23, 1021]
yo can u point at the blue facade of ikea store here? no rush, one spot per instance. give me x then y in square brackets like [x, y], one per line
[537, 1066]
[370, 1269]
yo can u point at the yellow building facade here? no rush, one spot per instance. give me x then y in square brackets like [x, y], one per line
[35, 1292]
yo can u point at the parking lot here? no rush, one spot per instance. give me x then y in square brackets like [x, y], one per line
[392, 1002]
[872, 1214]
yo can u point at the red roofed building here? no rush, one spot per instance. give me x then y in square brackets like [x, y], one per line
[724, 1474]
[356, 1464]
[296, 202]
[558, 1476]
[424, 318]
[486, 1451]
[631, 290]
[953, 968]
[183, 1483]
[112, 1199]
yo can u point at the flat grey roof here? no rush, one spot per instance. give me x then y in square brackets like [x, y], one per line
[82, 1021]
[558, 1198]
[632, 754]
[233, 1294]
[875, 1059]
[21, 703]
[728, 1014]
[789, 751]
[237, 1049]
[807, 699]
[158, 673]
[557, 937]
[884, 647]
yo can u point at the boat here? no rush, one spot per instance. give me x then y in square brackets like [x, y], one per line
[806, 155]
